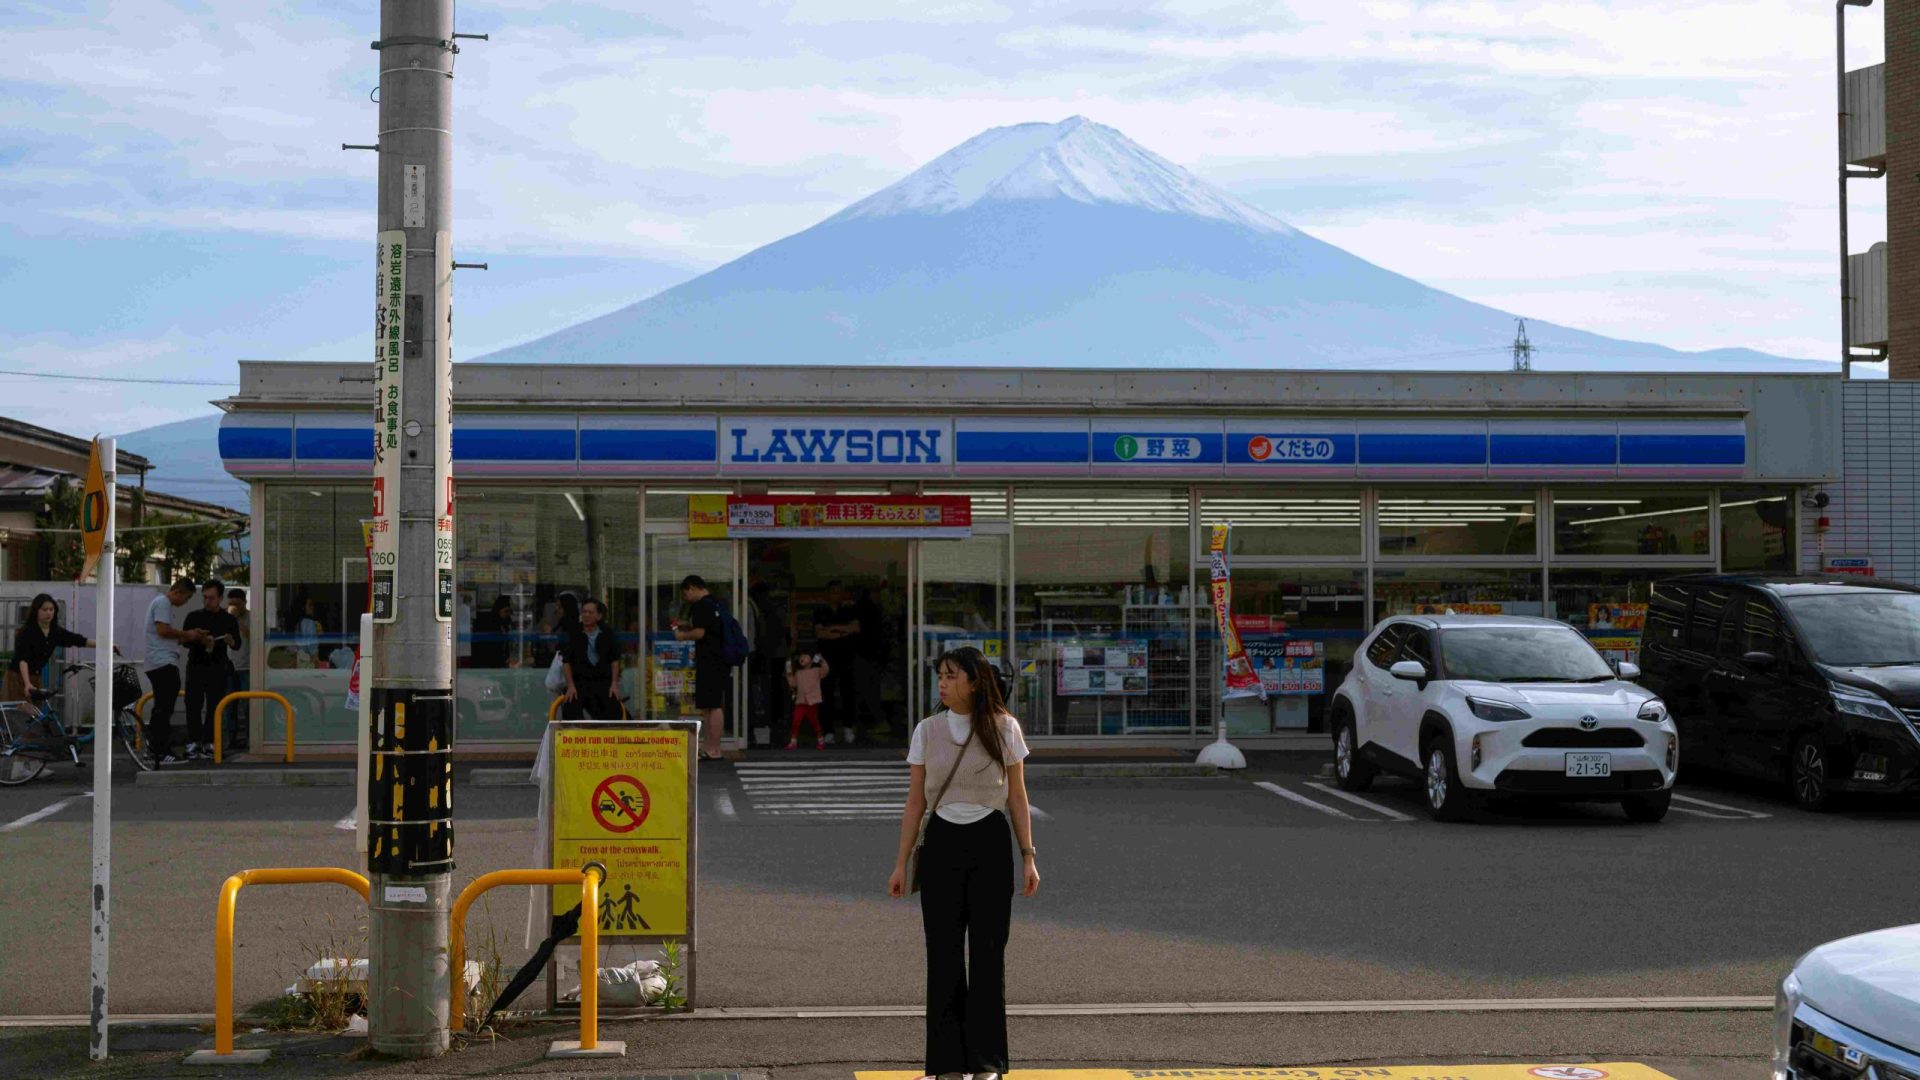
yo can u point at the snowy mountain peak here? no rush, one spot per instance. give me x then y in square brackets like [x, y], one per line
[1074, 159]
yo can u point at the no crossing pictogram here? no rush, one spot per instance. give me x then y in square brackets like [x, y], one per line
[620, 804]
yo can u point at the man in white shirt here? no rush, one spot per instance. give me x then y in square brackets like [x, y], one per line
[165, 641]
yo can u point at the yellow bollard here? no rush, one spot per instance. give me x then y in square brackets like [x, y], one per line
[140, 716]
[589, 877]
[223, 933]
[220, 717]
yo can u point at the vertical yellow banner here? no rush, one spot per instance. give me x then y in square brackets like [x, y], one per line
[93, 512]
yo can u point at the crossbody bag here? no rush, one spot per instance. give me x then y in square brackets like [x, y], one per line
[913, 857]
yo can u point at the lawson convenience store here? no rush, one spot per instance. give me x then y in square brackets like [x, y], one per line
[1055, 518]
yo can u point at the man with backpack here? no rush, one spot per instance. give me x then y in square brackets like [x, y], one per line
[719, 646]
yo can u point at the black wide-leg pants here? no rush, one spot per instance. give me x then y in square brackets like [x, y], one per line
[966, 902]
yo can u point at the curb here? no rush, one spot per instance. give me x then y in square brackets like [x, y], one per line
[321, 777]
[247, 778]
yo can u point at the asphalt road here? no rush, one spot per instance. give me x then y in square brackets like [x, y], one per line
[1154, 890]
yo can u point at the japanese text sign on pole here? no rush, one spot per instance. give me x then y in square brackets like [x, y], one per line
[1238, 670]
[443, 435]
[93, 512]
[389, 360]
[623, 795]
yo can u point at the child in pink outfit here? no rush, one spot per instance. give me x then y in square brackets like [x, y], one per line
[804, 673]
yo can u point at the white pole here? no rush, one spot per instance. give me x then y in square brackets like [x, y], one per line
[365, 748]
[103, 739]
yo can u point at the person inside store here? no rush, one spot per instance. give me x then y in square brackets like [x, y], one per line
[869, 652]
[561, 624]
[211, 631]
[953, 851]
[592, 665]
[837, 628]
[491, 647]
[35, 642]
[705, 625]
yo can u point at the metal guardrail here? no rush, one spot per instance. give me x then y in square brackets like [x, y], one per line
[589, 876]
[223, 932]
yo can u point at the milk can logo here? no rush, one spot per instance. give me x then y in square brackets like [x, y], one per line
[1290, 448]
[1156, 448]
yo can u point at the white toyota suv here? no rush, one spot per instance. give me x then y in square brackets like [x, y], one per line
[1471, 705]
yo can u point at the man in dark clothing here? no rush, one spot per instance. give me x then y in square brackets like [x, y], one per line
[592, 667]
[706, 627]
[869, 664]
[836, 627]
[211, 631]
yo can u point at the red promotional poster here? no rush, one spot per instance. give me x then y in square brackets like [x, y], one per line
[1241, 681]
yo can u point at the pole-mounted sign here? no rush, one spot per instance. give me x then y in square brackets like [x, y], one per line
[93, 512]
[389, 367]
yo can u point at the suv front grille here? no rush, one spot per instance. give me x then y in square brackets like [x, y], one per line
[1576, 739]
[1826, 1049]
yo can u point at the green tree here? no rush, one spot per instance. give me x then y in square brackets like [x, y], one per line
[183, 546]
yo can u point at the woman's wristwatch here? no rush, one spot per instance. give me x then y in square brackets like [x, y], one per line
[1035, 852]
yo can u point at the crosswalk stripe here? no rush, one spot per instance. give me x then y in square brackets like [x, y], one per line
[1358, 801]
[1304, 801]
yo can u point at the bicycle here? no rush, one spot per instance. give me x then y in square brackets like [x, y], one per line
[32, 734]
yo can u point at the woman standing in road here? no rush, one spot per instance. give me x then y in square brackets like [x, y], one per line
[974, 749]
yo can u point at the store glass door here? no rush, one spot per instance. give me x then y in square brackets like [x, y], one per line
[963, 601]
[843, 600]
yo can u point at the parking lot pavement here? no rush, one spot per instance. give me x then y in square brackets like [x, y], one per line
[1206, 890]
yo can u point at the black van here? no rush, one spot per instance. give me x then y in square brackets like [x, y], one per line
[1813, 681]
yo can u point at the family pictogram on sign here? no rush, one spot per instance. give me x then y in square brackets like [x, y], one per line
[622, 914]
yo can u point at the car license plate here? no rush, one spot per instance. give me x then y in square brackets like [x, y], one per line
[1590, 765]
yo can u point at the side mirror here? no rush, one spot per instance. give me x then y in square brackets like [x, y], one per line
[1411, 670]
[1628, 671]
[1759, 660]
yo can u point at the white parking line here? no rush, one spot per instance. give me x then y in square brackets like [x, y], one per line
[1721, 806]
[1303, 800]
[1358, 801]
[1707, 814]
[348, 823]
[726, 806]
[44, 812]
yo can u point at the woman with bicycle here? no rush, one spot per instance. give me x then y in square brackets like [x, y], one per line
[34, 642]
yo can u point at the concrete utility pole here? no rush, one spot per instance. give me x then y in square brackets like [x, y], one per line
[410, 777]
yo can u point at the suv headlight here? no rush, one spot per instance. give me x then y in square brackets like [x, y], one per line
[1497, 711]
[1854, 701]
[1653, 711]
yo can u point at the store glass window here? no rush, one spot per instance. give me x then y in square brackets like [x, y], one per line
[1757, 530]
[1608, 606]
[1465, 590]
[524, 560]
[1442, 522]
[1300, 628]
[1302, 522]
[316, 589]
[1631, 523]
[669, 662]
[1102, 609]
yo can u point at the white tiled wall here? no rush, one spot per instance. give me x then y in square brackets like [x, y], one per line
[1874, 506]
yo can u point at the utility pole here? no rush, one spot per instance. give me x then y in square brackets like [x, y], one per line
[410, 776]
[1522, 348]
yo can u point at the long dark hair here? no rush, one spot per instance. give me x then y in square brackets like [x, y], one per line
[33, 610]
[989, 705]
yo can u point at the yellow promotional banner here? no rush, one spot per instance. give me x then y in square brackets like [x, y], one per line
[706, 517]
[620, 797]
[1595, 1071]
[93, 512]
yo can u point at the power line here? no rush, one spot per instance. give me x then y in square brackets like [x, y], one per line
[114, 379]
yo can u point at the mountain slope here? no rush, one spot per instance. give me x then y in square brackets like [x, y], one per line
[186, 461]
[1067, 243]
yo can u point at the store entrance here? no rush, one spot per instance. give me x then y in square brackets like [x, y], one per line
[845, 601]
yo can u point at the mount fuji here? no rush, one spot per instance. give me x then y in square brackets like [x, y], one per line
[1070, 244]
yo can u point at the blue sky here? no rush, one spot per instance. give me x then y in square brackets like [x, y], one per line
[173, 199]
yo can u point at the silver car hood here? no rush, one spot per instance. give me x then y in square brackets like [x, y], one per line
[1870, 982]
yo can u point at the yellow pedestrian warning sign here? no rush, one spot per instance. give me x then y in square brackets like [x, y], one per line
[1611, 1070]
[620, 797]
